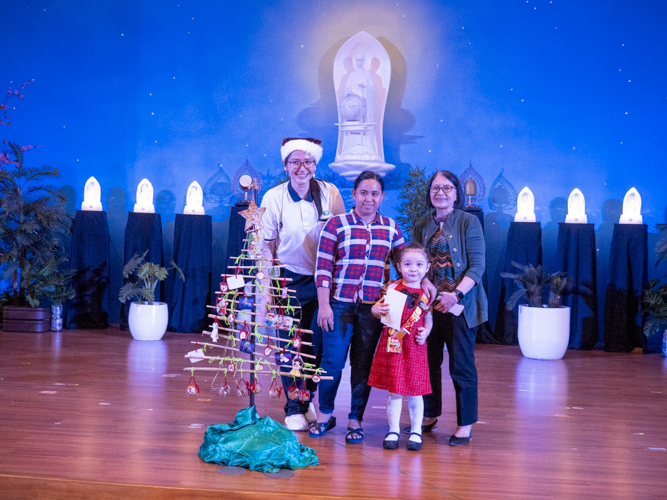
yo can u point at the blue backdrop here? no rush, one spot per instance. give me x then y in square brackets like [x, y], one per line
[554, 94]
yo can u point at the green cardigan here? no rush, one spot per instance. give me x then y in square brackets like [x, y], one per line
[468, 250]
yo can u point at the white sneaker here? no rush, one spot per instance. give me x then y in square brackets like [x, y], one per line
[311, 416]
[296, 422]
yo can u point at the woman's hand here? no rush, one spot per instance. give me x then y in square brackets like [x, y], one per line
[380, 309]
[422, 333]
[429, 289]
[447, 300]
[325, 317]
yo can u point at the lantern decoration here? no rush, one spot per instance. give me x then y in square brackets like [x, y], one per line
[632, 208]
[144, 202]
[195, 199]
[576, 208]
[92, 196]
[525, 211]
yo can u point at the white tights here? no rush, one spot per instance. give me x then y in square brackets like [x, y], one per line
[394, 407]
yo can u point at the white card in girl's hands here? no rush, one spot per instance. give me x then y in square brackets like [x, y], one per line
[456, 309]
[396, 301]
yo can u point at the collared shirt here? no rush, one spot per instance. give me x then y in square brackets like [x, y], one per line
[353, 256]
[293, 223]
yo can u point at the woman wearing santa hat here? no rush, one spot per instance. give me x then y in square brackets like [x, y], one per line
[296, 212]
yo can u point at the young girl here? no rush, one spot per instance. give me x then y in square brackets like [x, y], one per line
[400, 364]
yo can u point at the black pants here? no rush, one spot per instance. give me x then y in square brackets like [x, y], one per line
[453, 331]
[306, 295]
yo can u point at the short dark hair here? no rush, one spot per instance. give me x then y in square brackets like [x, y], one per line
[451, 178]
[366, 175]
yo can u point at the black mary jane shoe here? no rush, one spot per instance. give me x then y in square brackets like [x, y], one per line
[391, 444]
[460, 441]
[414, 445]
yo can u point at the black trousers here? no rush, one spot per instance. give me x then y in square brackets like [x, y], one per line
[453, 331]
[306, 295]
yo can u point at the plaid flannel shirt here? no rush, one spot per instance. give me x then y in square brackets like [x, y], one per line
[353, 257]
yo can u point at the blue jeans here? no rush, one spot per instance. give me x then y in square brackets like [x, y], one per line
[353, 325]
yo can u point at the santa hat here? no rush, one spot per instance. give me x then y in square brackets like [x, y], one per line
[307, 144]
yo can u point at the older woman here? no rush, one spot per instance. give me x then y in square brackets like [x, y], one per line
[455, 242]
[296, 212]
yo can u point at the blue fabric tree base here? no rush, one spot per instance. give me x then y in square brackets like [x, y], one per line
[259, 444]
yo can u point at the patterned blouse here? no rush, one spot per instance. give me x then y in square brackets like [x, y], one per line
[441, 263]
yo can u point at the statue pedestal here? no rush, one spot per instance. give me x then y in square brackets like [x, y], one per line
[352, 168]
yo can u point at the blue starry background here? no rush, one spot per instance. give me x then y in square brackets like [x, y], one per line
[553, 94]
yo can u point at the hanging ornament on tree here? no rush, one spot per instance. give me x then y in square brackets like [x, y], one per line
[253, 217]
[193, 388]
[214, 332]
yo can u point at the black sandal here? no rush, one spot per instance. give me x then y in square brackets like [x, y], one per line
[414, 445]
[391, 444]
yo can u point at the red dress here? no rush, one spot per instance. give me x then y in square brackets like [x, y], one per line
[404, 372]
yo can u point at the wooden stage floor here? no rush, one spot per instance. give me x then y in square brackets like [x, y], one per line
[95, 414]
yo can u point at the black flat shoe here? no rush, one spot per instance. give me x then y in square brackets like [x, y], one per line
[425, 428]
[457, 441]
[414, 445]
[389, 444]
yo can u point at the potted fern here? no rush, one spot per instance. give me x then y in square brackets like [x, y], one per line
[543, 330]
[33, 226]
[654, 298]
[147, 318]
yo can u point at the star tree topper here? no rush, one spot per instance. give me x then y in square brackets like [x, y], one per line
[253, 217]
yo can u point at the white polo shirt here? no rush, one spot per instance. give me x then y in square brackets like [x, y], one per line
[293, 223]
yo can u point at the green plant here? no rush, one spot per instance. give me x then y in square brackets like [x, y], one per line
[414, 207]
[532, 281]
[654, 298]
[148, 275]
[57, 283]
[33, 226]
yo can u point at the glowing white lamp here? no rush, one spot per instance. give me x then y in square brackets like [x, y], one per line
[525, 206]
[144, 202]
[92, 196]
[632, 208]
[195, 200]
[576, 208]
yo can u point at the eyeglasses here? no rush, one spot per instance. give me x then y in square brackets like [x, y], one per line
[444, 189]
[298, 164]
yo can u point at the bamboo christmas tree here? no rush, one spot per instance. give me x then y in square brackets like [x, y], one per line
[237, 346]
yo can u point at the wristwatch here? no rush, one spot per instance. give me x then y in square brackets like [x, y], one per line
[459, 294]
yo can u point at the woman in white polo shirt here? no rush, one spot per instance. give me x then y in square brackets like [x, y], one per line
[296, 212]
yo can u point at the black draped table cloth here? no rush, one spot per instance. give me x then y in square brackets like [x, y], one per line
[142, 232]
[524, 246]
[628, 274]
[236, 230]
[193, 238]
[484, 331]
[89, 255]
[576, 255]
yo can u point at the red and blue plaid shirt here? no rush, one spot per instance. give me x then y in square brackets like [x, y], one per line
[353, 257]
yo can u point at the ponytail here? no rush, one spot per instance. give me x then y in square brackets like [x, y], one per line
[316, 195]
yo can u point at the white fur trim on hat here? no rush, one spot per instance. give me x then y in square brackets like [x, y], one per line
[315, 150]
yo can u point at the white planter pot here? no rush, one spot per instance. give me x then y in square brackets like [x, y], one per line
[148, 322]
[544, 332]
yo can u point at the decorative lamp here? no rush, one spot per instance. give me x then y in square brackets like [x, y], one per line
[525, 206]
[144, 202]
[632, 208]
[470, 190]
[474, 188]
[92, 196]
[195, 200]
[576, 208]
